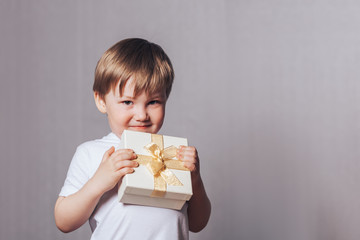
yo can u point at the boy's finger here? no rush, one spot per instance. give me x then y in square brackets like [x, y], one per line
[190, 166]
[186, 155]
[124, 150]
[126, 164]
[186, 149]
[124, 171]
[108, 153]
[124, 154]
[188, 163]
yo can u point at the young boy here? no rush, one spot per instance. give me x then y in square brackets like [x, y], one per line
[133, 80]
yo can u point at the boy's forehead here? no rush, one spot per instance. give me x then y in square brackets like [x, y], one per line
[135, 85]
[129, 91]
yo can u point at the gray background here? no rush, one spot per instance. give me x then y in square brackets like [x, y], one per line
[267, 90]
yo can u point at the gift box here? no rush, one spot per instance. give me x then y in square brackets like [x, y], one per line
[161, 180]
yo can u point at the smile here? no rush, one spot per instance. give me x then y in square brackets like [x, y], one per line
[140, 127]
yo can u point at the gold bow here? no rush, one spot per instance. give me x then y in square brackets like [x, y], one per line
[159, 164]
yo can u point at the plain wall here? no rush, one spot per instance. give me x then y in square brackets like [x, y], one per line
[267, 90]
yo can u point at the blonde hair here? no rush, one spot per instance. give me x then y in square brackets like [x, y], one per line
[134, 57]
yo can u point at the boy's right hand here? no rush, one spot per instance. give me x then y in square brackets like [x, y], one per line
[114, 165]
[74, 210]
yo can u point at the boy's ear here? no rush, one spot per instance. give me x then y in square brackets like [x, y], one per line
[100, 102]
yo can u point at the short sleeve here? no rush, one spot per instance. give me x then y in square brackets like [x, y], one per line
[78, 173]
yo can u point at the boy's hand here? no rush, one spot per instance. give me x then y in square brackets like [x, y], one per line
[74, 210]
[190, 158]
[114, 165]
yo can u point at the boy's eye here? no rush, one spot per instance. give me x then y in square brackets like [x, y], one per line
[127, 102]
[154, 102]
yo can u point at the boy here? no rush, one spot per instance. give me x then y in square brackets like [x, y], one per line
[133, 80]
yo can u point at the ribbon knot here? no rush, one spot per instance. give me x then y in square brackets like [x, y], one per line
[159, 164]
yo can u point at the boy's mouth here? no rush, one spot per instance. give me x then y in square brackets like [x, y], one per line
[139, 127]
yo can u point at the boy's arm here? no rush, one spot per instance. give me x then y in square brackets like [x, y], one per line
[199, 207]
[73, 211]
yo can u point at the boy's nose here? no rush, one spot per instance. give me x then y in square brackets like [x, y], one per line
[141, 114]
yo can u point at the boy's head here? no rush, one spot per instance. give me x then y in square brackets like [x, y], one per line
[133, 80]
[144, 61]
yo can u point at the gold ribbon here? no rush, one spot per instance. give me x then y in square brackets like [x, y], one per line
[159, 164]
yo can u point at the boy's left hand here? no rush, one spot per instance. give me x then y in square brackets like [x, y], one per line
[190, 158]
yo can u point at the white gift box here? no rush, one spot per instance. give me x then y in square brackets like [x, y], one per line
[137, 188]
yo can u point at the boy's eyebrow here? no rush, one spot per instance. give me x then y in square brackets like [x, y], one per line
[125, 96]
[156, 96]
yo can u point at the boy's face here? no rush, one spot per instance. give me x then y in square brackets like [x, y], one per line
[144, 113]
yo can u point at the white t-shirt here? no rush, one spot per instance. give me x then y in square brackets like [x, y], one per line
[112, 219]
